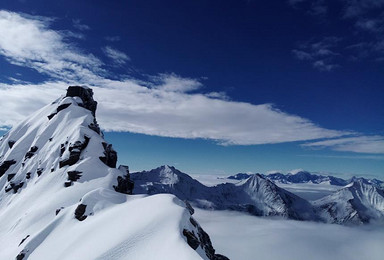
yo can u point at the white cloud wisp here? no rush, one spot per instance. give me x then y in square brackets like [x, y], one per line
[164, 105]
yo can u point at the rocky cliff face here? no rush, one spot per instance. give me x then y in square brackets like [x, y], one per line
[62, 197]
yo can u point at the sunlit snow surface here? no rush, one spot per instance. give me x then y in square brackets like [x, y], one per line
[37, 220]
[243, 237]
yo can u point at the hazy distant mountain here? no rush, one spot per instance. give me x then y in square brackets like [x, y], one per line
[61, 196]
[256, 195]
[307, 177]
[359, 202]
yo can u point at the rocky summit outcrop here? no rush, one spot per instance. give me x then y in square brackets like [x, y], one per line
[61, 194]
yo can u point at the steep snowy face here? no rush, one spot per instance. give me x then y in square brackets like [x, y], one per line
[356, 203]
[276, 201]
[61, 196]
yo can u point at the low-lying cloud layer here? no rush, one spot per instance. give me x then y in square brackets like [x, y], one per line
[164, 105]
[248, 238]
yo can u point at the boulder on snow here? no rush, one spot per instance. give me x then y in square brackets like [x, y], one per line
[79, 212]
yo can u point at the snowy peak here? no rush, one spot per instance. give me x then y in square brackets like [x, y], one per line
[358, 202]
[256, 195]
[58, 178]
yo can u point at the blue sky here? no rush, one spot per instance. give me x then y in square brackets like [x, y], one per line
[209, 86]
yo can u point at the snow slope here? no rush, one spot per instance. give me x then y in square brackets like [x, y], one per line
[61, 196]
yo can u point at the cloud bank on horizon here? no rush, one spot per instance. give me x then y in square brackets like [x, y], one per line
[163, 105]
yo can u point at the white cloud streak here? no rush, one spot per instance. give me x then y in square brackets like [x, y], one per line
[27, 41]
[164, 105]
[78, 25]
[320, 53]
[360, 144]
[119, 58]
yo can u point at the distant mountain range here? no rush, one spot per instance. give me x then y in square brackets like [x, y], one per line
[307, 177]
[358, 202]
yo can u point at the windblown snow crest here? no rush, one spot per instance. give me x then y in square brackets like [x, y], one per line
[62, 197]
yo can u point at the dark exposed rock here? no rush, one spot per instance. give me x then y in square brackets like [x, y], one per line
[31, 152]
[124, 185]
[202, 239]
[51, 116]
[206, 243]
[62, 107]
[67, 184]
[62, 149]
[74, 175]
[94, 126]
[14, 187]
[59, 108]
[79, 212]
[192, 240]
[11, 143]
[20, 256]
[39, 171]
[53, 169]
[86, 95]
[110, 156]
[193, 222]
[5, 166]
[58, 210]
[22, 241]
[10, 176]
[220, 257]
[28, 175]
[189, 207]
[74, 152]
[50, 139]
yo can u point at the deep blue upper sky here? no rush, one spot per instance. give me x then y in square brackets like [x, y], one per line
[320, 60]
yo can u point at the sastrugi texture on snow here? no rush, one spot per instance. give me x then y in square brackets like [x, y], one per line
[62, 197]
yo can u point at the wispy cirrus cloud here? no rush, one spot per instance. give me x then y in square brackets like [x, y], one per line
[366, 17]
[118, 57]
[321, 53]
[360, 144]
[163, 105]
[28, 41]
[112, 38]
[80, 26]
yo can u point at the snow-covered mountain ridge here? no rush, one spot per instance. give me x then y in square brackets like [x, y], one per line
[307, 177]
[62, 197]
[261, 197]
